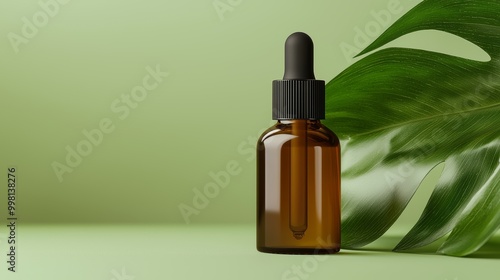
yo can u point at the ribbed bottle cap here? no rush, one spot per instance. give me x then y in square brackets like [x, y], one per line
[299, 95]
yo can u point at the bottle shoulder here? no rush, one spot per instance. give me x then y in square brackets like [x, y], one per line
[315, 131]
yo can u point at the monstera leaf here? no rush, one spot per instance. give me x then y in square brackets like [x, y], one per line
[400, 112]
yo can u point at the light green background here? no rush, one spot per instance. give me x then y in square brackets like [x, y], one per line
[216, 98]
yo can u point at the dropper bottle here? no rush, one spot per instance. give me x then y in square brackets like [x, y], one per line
[298, 163]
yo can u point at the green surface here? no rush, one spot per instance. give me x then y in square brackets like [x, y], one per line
[219, 252]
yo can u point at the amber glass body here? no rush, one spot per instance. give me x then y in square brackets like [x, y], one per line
[298, 189]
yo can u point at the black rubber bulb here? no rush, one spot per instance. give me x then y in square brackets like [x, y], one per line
[299, 57]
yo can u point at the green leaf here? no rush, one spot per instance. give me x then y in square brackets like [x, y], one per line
[400, 112]
[459, 183]
[480, 219]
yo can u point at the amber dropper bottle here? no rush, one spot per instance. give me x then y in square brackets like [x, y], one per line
[298, 163]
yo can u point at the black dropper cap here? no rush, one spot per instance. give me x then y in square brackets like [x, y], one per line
[299, 95]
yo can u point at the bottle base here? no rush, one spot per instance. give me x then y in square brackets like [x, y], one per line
[299, 251]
